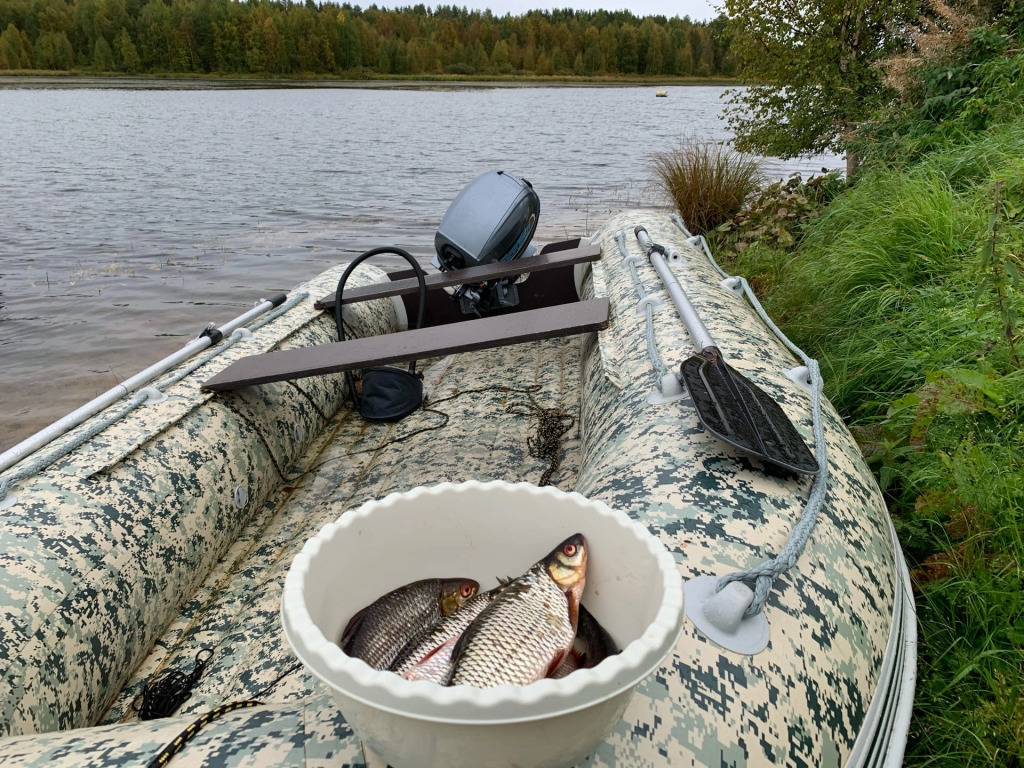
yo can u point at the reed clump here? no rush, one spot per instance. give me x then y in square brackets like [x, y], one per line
[707, 181]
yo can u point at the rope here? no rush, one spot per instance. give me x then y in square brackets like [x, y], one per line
[192, 730]
[763, 576]
[167, 753]
[407, 436]
[660, 370]
[163, 696]
[40, 462]
[552, 424]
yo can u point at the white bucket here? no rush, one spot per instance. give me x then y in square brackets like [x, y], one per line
[482, 531]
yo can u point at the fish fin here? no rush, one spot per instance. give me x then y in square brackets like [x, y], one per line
[459, 645]
[447, 679]
[352, 629]
[449, 643]
[556, 662]
[414, 672]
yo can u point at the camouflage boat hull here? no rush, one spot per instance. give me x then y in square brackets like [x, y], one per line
[172, 530]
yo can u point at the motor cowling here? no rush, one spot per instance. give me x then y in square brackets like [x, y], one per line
[492, 219]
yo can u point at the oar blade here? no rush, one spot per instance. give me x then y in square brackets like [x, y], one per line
[738, 412]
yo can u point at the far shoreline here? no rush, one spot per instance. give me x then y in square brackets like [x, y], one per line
[179, 81]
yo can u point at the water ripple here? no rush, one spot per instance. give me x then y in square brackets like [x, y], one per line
[132, 218]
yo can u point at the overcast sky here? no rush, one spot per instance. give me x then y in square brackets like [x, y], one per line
[698, 10]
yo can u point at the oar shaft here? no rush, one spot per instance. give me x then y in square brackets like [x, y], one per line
[698, 331]
[31, 444]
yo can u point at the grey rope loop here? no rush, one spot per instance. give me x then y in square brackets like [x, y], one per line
[31, 467]
[652, 348]
[763, 576]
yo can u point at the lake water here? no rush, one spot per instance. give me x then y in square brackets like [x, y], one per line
[129, 219]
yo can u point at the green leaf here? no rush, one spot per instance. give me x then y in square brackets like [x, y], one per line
[990, 386]
[885, 476]
[904, 403]
[979, 293]
[1014, 273]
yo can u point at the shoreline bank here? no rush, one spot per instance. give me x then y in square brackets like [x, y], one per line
[207, 82]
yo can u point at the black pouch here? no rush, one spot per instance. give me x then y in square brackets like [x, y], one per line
[389, 394]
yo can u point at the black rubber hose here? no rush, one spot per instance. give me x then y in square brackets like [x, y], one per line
[420, 277]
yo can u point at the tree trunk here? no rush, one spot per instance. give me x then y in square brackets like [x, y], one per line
[852, 163]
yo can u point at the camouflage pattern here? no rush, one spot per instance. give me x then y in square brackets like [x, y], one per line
[311, 733]
[803, 700]
[101, 550]
[125, 559]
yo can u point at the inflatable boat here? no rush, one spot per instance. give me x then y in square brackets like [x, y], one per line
[149, 543]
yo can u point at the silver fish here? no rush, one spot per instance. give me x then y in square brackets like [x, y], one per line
[428, 655]
[437, 665]
[378, 632]
[525, 632]
[592, 645]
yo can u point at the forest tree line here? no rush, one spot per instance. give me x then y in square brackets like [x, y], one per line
[262, 37]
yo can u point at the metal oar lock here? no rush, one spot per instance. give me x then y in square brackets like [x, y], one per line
[738, 412]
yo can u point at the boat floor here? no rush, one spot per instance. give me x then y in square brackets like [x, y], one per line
[482, 421]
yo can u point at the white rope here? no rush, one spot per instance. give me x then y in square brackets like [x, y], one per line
[657, 363]
[762, 576]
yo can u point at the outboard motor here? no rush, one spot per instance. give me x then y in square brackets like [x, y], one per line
[492, 219]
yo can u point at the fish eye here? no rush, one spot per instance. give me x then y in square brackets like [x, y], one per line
[569, 550]
[467, 590]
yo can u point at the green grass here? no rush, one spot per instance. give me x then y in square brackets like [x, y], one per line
[889, 255]
[885, 291]
[906, 288]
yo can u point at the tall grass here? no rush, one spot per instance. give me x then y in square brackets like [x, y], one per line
[907, 289]
[875, 260]
[707, 181]
[889, 289]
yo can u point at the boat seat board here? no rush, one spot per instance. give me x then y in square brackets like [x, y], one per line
[417, 344]
[541, 262]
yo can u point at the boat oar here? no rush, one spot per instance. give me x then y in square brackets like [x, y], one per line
[212, 335]
[729, 405]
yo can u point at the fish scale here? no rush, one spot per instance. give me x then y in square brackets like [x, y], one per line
[379, 632]
[431, 638]
[518, 636]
